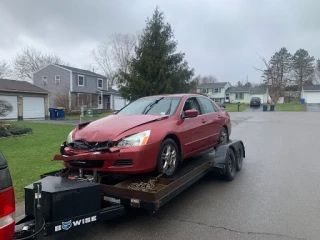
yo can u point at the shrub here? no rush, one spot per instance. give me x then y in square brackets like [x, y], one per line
[14, 130]
[19, 130]
[4, 132]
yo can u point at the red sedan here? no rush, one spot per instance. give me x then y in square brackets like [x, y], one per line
[151, 133]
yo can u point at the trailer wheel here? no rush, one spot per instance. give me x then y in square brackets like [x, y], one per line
[239, 158]
[168, 157]
[231, 166]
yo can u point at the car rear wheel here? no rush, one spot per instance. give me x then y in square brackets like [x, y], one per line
[223, 138]
[168, 157]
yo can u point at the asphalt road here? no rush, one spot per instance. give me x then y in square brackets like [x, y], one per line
[275, 196]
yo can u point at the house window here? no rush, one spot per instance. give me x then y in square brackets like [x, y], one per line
[100, 83]
[203, 90]
[99, 100]
[44, 80]
[80, 80]
[80, 99]
[216, 90]
[57, 78]
[239, 96]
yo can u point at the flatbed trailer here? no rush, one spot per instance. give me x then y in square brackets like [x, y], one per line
[61, 200]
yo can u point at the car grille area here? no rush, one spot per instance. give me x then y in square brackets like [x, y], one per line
[122, 163]
[86, 164]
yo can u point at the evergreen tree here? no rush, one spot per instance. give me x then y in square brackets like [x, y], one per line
[303, 68]
[156, 68]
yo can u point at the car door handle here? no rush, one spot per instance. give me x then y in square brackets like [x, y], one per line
[203, 121]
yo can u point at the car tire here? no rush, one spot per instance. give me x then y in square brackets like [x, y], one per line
[167, 148]
[224, 136]
[239, 158]
[231, 166]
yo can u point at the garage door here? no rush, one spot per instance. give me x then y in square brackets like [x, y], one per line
[13, 100]
[312, 97]
[260, 96]
[119, 103]
[33, 107]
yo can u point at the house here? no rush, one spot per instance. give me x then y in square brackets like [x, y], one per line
[28, 101]
[239, 94]
[261, 92]
[311, 93]
[215, 91]
[244, 94]
[73, 88]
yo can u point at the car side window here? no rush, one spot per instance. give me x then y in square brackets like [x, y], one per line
[207, 105]
[191, 103]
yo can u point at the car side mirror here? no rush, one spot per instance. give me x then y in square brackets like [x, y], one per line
[190, 113]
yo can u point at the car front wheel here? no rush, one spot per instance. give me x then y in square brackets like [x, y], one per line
[168, 157]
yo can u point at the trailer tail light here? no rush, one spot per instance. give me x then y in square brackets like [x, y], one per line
[7, 213]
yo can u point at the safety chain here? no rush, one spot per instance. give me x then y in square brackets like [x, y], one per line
[145, 186]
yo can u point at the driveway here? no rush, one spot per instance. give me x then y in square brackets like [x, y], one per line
[254, 109]
[313, 107]
[276, 196]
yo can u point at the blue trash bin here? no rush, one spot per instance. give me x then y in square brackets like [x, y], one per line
[53, 113]
[272, 107]
[265, 107]
[61, 113]
[302, 100]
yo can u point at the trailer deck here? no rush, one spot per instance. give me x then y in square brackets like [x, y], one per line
[57, 191]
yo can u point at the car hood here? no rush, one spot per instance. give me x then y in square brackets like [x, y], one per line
[112, 126]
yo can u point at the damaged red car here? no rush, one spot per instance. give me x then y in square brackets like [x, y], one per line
[153, 133]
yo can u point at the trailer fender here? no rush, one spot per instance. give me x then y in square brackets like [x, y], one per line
[221, 154]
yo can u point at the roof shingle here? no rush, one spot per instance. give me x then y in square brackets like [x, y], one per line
[238, 89]
[311, 88]
[81, 71]
[212, 85]
[20, 86]
[258, 90]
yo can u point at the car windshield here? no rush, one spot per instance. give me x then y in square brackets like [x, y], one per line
[152, 106]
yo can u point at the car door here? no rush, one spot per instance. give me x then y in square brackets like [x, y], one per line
[192, 130]
[213, 121]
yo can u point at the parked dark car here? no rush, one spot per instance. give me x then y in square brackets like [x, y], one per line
[255, 101]
[7, 202]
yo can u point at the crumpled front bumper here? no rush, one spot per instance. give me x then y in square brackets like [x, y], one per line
[127, 160]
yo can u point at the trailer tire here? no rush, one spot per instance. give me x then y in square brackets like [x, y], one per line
[239, 158]
[231, 165]
[163, 151]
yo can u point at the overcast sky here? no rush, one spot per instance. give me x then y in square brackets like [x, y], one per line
[219, 37]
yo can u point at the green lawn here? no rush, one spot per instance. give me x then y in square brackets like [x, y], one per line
[30, 156]
[77, 117]
[290, 107]
[234, 107]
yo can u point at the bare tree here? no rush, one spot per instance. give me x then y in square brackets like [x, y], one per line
[276, 73]
[317, 72]
[114, 55]
[5, 69]
[5, 108]
[206, 79]
[30, 60]
[62, 100]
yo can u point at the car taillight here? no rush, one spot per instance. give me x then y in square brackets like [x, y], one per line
[7, 213]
